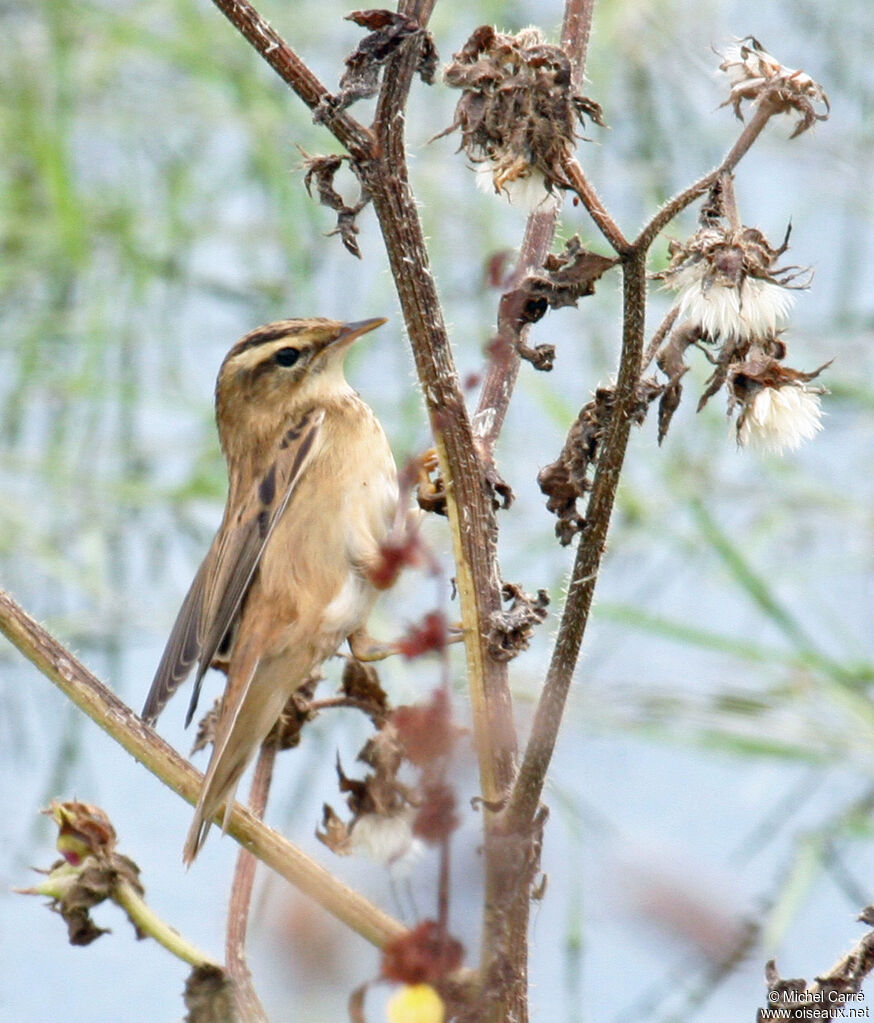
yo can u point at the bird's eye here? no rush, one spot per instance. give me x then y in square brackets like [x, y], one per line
[287, 356]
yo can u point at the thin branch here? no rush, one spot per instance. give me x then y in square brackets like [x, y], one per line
[763, 112]
[248, 1003]
[589, 198]
[286, 63]
[503, 366]
[131, 733]
[528, 787]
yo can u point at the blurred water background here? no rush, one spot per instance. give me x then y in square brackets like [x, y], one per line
[717, 766]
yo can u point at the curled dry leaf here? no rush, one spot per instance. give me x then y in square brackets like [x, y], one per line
[320, 171]
[568, 479]
[563, 280]
[388, 32]
[360, 683]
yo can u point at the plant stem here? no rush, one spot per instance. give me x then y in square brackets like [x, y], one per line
[529, 783]
[248, 1003]
[144, 918]
[286, 63]
[131, 733]
[469, 508]
[763, 112]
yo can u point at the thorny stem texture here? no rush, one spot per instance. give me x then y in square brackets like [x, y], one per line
[248, 1003]
[117, 719]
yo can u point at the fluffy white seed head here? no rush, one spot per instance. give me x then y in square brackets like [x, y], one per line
[780, 419]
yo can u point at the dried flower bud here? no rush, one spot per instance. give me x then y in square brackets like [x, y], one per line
[758, 77]
[83, 830]
[518, 112]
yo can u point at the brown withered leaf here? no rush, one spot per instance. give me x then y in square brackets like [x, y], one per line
[568, 479]
[569, 275]
[671, 361]
[320, 171]
[563, 280]
[298, 710]
[75, 893]
[360, 682]
[334, 833]
[383, 751]
[209, 996]
[510, 631]
[388, 32]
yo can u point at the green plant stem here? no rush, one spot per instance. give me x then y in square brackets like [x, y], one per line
[143, 917]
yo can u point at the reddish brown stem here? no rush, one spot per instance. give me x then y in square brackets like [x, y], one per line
[248, 1003]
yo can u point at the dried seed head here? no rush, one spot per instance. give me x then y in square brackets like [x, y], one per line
[778, 408]
[728, 283]
[518, 112]
[731, 300]
[758, 77]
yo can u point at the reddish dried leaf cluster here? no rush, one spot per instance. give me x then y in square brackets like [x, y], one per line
[428, 636]
[426, 732]
[423, 955]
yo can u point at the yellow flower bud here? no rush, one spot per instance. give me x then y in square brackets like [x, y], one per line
[415, 1003]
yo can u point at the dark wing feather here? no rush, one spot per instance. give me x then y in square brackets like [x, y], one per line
[241, 546]
[181, 652]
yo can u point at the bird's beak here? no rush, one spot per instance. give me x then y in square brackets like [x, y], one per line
[352, 331]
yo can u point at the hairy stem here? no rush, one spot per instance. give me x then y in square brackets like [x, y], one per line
[589, 198]
[471, 517]
[131, 733]
[763, 112]
[528, 787]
